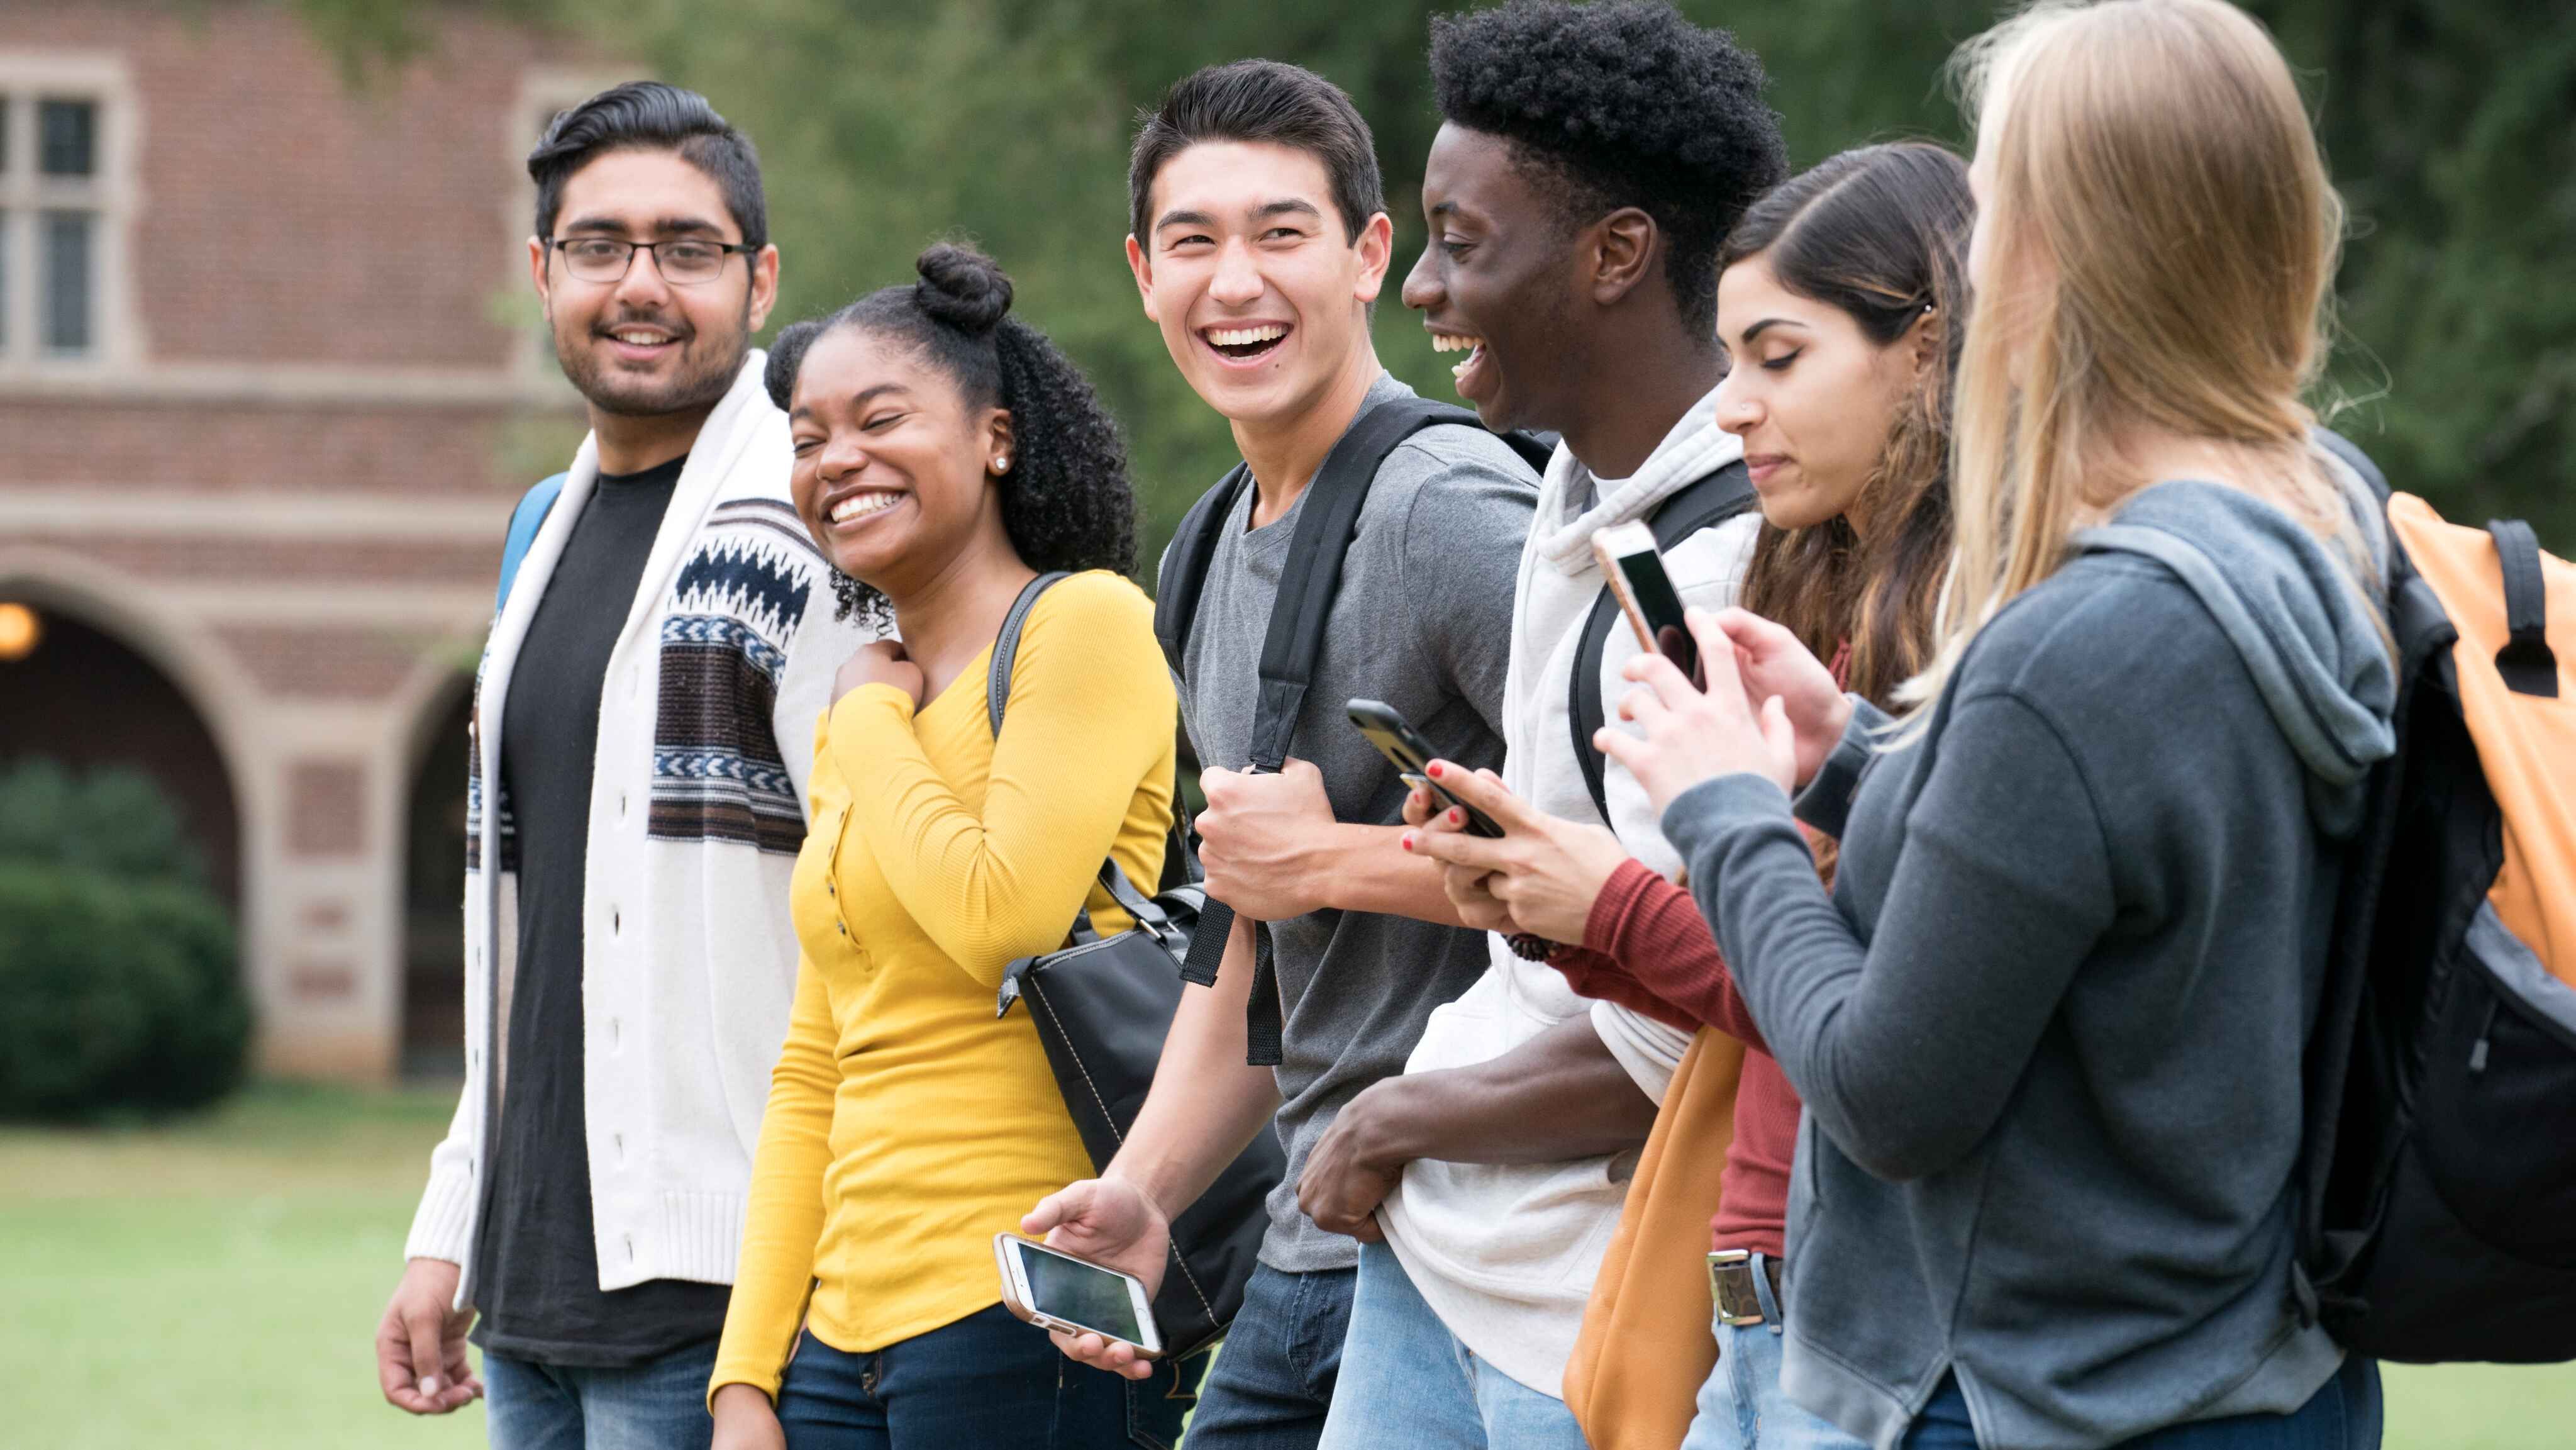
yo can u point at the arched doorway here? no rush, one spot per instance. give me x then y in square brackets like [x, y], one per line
[77, 694]
[433, 933]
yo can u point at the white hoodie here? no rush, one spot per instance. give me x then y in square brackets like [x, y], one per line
[1506, 1254]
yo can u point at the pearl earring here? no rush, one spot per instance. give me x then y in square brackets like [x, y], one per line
[1002, 464]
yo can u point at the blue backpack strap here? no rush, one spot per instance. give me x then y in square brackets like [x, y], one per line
[525, 520]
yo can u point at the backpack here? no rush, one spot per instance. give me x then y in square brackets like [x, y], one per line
[1703, 504]
[1308, 580]
[528, 517]
[2437, 1181]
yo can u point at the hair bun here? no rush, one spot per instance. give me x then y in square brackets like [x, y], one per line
[962, 287]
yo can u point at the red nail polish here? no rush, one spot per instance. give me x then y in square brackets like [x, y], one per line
[1435, 770]
[1408, 840]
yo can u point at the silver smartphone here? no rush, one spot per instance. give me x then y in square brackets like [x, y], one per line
[1054, 1290]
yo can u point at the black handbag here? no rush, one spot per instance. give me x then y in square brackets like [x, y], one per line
[1102, 1006]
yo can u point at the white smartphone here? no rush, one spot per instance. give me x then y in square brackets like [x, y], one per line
[1054, 1290]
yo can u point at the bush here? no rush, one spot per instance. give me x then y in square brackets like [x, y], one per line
[120, 971]
[115, 821]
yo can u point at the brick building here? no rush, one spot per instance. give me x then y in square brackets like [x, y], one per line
[269, 384]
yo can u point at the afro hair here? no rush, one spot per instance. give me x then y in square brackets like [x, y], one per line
[1616, 104]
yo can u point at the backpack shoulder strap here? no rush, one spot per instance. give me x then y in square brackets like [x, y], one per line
[525, 520]
[1308, 579]
[1312, 572]
[1184, 573]
[1696, 506]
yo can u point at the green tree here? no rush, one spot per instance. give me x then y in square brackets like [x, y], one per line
[2450, 125]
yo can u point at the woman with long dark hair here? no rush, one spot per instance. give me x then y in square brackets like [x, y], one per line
[1835, 303]
[946, 455]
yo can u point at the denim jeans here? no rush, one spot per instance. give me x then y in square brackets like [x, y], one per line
[1274, 1375]
[1406, 1380]
[987, 1380]
[659, 1405]
[1741, 1407]
[2343, 1415]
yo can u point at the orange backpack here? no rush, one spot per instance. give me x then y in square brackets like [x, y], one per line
[2438, 1181]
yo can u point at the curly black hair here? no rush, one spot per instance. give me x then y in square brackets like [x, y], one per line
[1066, 501]
[1621, 103]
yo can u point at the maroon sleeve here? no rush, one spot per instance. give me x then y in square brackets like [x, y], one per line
[1646, 938]
[1598, 977]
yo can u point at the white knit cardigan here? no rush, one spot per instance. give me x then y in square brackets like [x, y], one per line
[697, 809]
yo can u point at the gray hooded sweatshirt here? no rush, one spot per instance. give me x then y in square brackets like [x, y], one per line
[2048, 1028]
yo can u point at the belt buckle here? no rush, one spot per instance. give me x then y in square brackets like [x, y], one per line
[1730, 1287]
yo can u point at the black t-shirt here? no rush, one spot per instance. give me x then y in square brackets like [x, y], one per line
[537, 1280]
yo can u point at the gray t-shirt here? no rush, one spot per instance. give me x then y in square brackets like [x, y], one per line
[1422, 621]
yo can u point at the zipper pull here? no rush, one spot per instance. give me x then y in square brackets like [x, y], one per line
[2486, 1029]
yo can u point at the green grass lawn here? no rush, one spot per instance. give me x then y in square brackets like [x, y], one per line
[215, 1283]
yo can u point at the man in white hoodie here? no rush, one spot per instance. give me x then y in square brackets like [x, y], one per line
[644, 721]
[1591, 161]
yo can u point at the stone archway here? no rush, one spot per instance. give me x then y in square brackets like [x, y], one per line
[81, 693]
[432, 928]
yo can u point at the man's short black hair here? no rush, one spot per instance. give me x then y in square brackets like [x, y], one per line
[648, 115]
[1263, 101]
[1621, 103]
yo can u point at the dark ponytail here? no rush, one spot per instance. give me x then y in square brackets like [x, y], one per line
[1066, 501]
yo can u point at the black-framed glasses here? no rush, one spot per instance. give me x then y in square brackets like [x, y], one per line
[682, 261]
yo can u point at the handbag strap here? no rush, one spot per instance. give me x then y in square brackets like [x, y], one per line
[997, 692]
[1006, 648]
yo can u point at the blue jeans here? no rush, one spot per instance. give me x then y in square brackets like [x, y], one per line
[987, 1380]
[1406, 1380]
[2342, 1415]
[1741, 1407]
[659, 1405]
[1274, 1376]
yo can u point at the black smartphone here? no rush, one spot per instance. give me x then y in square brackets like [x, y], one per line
[1411, 755]
[1635, 573]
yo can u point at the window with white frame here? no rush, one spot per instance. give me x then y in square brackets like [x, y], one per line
[59, 190]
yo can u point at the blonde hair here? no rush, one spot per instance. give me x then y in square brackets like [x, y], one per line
[2159, 251]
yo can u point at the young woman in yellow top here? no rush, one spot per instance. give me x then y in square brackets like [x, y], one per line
[945, 455]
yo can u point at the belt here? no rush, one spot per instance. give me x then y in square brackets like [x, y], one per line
[1730, 1284]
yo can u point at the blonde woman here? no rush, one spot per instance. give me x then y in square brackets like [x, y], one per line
[2048, 1027]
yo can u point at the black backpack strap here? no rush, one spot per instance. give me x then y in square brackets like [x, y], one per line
[1705, 504]
[1184, 574]
[1308, 580]
[2526, 661]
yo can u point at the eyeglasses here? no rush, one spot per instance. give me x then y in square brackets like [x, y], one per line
[682, 261]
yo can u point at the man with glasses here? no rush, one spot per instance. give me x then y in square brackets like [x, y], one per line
[644, 719]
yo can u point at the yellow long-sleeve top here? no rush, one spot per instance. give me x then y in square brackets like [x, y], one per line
[906, 1124]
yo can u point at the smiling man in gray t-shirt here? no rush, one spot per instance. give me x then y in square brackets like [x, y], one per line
[1414, 624]
[1259, 240]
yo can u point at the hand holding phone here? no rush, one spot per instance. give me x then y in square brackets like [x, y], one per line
[1054, 1290]
[1411, 755]
[1634, 570]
